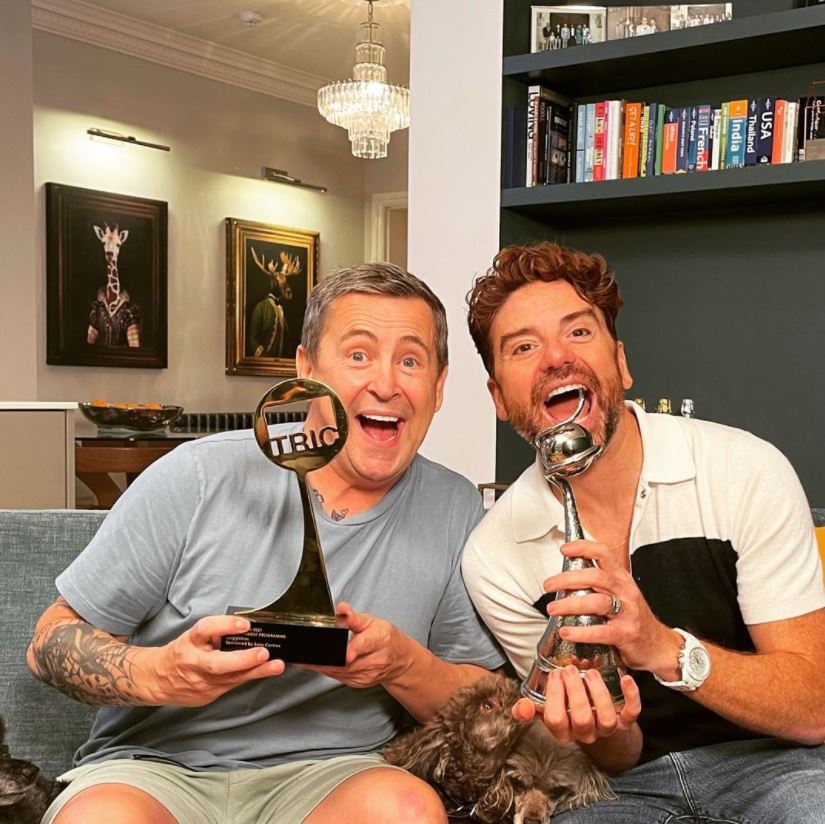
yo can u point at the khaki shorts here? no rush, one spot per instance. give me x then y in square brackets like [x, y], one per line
[285, 794]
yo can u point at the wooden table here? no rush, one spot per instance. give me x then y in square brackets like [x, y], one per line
[97, 458]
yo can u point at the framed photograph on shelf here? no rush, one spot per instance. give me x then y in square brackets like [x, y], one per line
[270, 271]
[105, 279]
[561, 27]
[687, 15]
[635, 21]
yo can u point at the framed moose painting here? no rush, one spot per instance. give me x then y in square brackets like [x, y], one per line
[270, 273]
[105, 279]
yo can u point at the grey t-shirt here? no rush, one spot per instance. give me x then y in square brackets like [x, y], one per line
[215, 524]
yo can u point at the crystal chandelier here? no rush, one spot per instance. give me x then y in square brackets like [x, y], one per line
[367, 106]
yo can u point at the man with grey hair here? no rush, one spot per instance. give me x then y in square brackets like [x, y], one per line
[190, 734]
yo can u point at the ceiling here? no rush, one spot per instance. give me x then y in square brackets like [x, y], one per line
[314, 36]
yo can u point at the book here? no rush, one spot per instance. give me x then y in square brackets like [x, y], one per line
[599, 141]
[537, 99]
[645, 136]
[715, 138]
[778, 147]
[670, 139]
[650, 147]
[751, 132]
[581, 141]
[660, 126]
[630, 143]
[812, 128]
[693, 122]
[793, 123]
[702, 155]
[589, 138]
[682, 144]
[765, 111]
[737, 132]
[559, 121]
[515, 138]
[724, 127]
[614, 139]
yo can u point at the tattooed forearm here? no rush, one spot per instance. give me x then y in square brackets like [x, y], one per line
[85, 663]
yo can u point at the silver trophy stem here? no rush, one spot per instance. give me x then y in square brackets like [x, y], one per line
[567, 449]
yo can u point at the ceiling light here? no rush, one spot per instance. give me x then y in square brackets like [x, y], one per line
[280, 176]
[367, 106]
[104, 134]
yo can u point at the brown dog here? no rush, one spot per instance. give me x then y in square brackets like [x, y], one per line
[24, 794]
[477, 755]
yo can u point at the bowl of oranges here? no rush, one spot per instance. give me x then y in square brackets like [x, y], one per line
[135, 417]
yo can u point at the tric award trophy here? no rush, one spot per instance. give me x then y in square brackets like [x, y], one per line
[566, 449]
[300, 627]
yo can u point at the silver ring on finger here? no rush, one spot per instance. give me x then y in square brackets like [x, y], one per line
[615, 605]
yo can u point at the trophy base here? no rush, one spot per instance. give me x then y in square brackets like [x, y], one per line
[293, 639]
[534, 685]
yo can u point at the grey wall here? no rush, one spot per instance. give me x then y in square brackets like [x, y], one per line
[18, 310]
[220, 137]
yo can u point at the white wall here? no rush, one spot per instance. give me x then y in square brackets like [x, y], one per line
[18, 307]
[220, 137]
[455, 83]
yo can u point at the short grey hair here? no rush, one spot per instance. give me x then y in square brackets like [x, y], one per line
[370, 279]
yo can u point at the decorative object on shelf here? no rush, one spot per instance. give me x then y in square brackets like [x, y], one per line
[282, 176]
[663, 406]
[560, 27]
[132, 417]
[106, 278]
[270, 273]
[641, 402]
[368, 107]
[688, 409]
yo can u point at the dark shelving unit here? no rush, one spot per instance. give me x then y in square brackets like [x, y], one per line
[751, 186]
[749, 44]
[723, 272]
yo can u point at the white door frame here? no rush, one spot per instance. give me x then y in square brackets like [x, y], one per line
[382, 205]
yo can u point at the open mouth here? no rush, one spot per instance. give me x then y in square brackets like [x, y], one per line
[563, 401]
[382, 429]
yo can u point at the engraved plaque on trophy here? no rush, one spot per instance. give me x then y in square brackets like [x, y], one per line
[299, 627]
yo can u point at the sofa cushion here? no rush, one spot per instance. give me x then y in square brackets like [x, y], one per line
[43, 725]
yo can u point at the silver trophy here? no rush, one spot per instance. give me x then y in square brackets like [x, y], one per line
[567, 449]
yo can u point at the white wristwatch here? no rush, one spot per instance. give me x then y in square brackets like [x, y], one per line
[694, 663]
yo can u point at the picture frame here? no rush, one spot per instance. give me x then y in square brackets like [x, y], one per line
[270, 271]
[634, 21]
[687, 15]
[106, 279]
[560, 27]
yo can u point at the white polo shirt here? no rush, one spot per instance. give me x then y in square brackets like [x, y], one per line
[721, 538]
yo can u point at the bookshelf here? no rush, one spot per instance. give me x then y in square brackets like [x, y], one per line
[723, 272]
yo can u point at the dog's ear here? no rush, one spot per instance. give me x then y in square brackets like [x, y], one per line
[422, 752]
[4, 748]
[494, 805]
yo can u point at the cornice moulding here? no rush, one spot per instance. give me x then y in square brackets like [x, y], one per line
[121, 33]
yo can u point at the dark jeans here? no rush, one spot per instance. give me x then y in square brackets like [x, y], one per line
[764, 781]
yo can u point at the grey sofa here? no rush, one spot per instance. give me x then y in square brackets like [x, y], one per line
[35, 547]
[43, 725]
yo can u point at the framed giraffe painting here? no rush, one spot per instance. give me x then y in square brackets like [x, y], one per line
[270, 271]
[105, 279]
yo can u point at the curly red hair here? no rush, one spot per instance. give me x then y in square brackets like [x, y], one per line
[516, 266]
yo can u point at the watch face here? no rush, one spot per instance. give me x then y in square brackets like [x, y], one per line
[698, 662]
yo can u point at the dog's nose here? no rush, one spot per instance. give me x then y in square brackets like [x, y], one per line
[29, 772]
